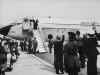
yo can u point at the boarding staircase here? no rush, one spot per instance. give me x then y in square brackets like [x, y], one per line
[41, 46]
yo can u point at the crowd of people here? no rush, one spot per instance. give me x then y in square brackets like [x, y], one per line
[8, 47]
[9, 52]
[29, 46]
[73, 54]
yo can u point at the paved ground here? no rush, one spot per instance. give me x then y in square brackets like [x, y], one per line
[50, 59]
[41, 64]
[31, 65]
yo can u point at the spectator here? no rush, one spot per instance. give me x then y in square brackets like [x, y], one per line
[58, 54]
[50, 43]
[3, 57]
[80, 49]
[35, 45]
[30, 46]
[71, 60]
[90, 44]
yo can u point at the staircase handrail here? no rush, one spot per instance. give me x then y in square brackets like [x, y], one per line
[41, 38]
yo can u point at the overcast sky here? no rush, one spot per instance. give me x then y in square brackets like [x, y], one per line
[67, 9]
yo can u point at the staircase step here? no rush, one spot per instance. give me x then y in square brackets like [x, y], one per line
[40, 42]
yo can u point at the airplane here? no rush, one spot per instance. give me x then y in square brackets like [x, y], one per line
[15, 31]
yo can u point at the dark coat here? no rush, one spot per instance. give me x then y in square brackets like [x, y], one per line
[91, 44]
[71, 59]
[58, 54]
[3, 57]
[50, 43]
[92, 53]
[35, 44]
[58, 46]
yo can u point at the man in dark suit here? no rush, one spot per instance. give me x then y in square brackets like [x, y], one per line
[58, 54]
[91, 44]
[80, 49]
[35, 45]
[36, 24]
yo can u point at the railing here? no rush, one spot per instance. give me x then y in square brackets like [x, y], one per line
[42, 38]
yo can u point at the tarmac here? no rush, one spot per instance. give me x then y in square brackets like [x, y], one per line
[29, 64]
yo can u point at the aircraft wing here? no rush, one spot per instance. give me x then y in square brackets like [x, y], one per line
[5, 30]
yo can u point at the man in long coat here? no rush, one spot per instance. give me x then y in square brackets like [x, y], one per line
[71, 59]
[80, 49]
[35, 45]
[58, 54]
[92, 53]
